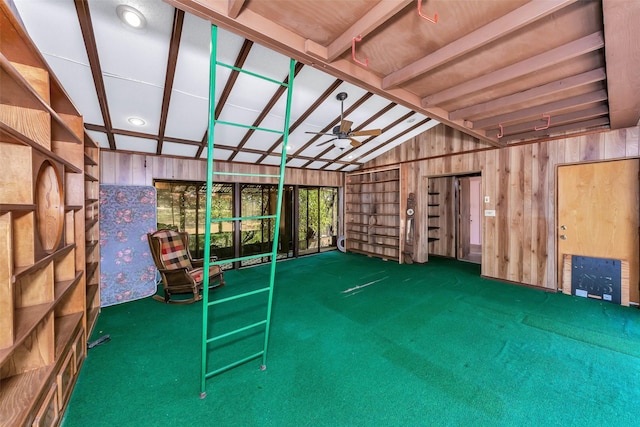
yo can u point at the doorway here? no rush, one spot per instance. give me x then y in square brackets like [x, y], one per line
[469, 203]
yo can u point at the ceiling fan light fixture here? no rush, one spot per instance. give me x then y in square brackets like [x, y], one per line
[342, 143]
[136, 121]
[131, 17]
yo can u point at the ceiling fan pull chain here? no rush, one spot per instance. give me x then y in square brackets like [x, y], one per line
[353, 52]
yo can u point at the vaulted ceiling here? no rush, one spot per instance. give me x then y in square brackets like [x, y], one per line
[501, 71]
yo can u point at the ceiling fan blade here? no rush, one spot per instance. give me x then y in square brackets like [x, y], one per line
[326, 142]
[370, 132]
[319, 133]
[355, 143]
[345, 126]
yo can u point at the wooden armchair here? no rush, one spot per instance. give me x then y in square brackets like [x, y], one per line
[181, 274]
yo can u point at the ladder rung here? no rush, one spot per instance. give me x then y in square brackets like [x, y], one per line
[259, 175]
[240, 70]
[237, 331]
[242, 258]
[242, 218]
[246, 294]
[233, 365]
[240, 125]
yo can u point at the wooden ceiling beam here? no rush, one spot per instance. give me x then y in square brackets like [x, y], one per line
[622, 32]
[102, 129]
[256, 27]
[538, 110]
[562, 119]
[544, 90]
[501, 27]
[377, 16]
[601, 121]
[547, 59]
[172, 60]
[86, 26]
[234, 7]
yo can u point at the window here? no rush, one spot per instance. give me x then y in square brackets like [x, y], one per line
[182, 206]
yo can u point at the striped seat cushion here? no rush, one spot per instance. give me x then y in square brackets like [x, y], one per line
[198, 273]
[172, 250]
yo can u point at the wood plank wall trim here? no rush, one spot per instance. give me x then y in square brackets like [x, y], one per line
[142, 169]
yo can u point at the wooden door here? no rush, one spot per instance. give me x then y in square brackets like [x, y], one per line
[598, 206]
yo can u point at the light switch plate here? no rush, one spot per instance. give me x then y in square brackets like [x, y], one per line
[486, 199]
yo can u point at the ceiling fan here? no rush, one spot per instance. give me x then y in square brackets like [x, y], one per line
[342, 134]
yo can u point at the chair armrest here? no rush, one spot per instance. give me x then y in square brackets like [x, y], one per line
[179, 273]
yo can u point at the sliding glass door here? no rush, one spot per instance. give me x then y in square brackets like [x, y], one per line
[317, 219]
[309, 218]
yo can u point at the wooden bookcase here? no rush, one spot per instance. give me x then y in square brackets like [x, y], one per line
[43, 253]
[92, 229]
[372, 213]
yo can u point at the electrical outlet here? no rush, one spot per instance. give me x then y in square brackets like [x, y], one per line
[489, 212]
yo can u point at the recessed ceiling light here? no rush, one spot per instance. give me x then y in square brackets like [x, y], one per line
[349, 157]
[289, 147]
[411, 119]
[136, 121]
[131, 17]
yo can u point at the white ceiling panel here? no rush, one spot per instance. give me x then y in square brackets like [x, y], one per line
[219, 154]
[247, 157]
[100, 138]
[175, 149]
[76, 78]
[187, 118]
[37, 16]
[316, 165]
[192, 68]
[138, 55]
[271, 160]
[131, 143]
[334, 166]
[133, 99]
[296, 163]
[267, 63]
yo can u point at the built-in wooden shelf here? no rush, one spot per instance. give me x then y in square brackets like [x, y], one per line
[50, 163]
[373, 195]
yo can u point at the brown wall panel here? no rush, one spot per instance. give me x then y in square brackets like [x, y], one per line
[519, 243]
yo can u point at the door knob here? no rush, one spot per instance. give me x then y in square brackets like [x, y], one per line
[563, 237]
[563, 227]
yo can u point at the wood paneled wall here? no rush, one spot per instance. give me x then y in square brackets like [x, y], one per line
[141, 169]
[519, 243]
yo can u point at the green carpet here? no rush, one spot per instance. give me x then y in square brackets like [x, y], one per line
[357, 341]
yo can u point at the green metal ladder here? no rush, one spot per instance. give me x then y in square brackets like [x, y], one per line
[207, 303]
